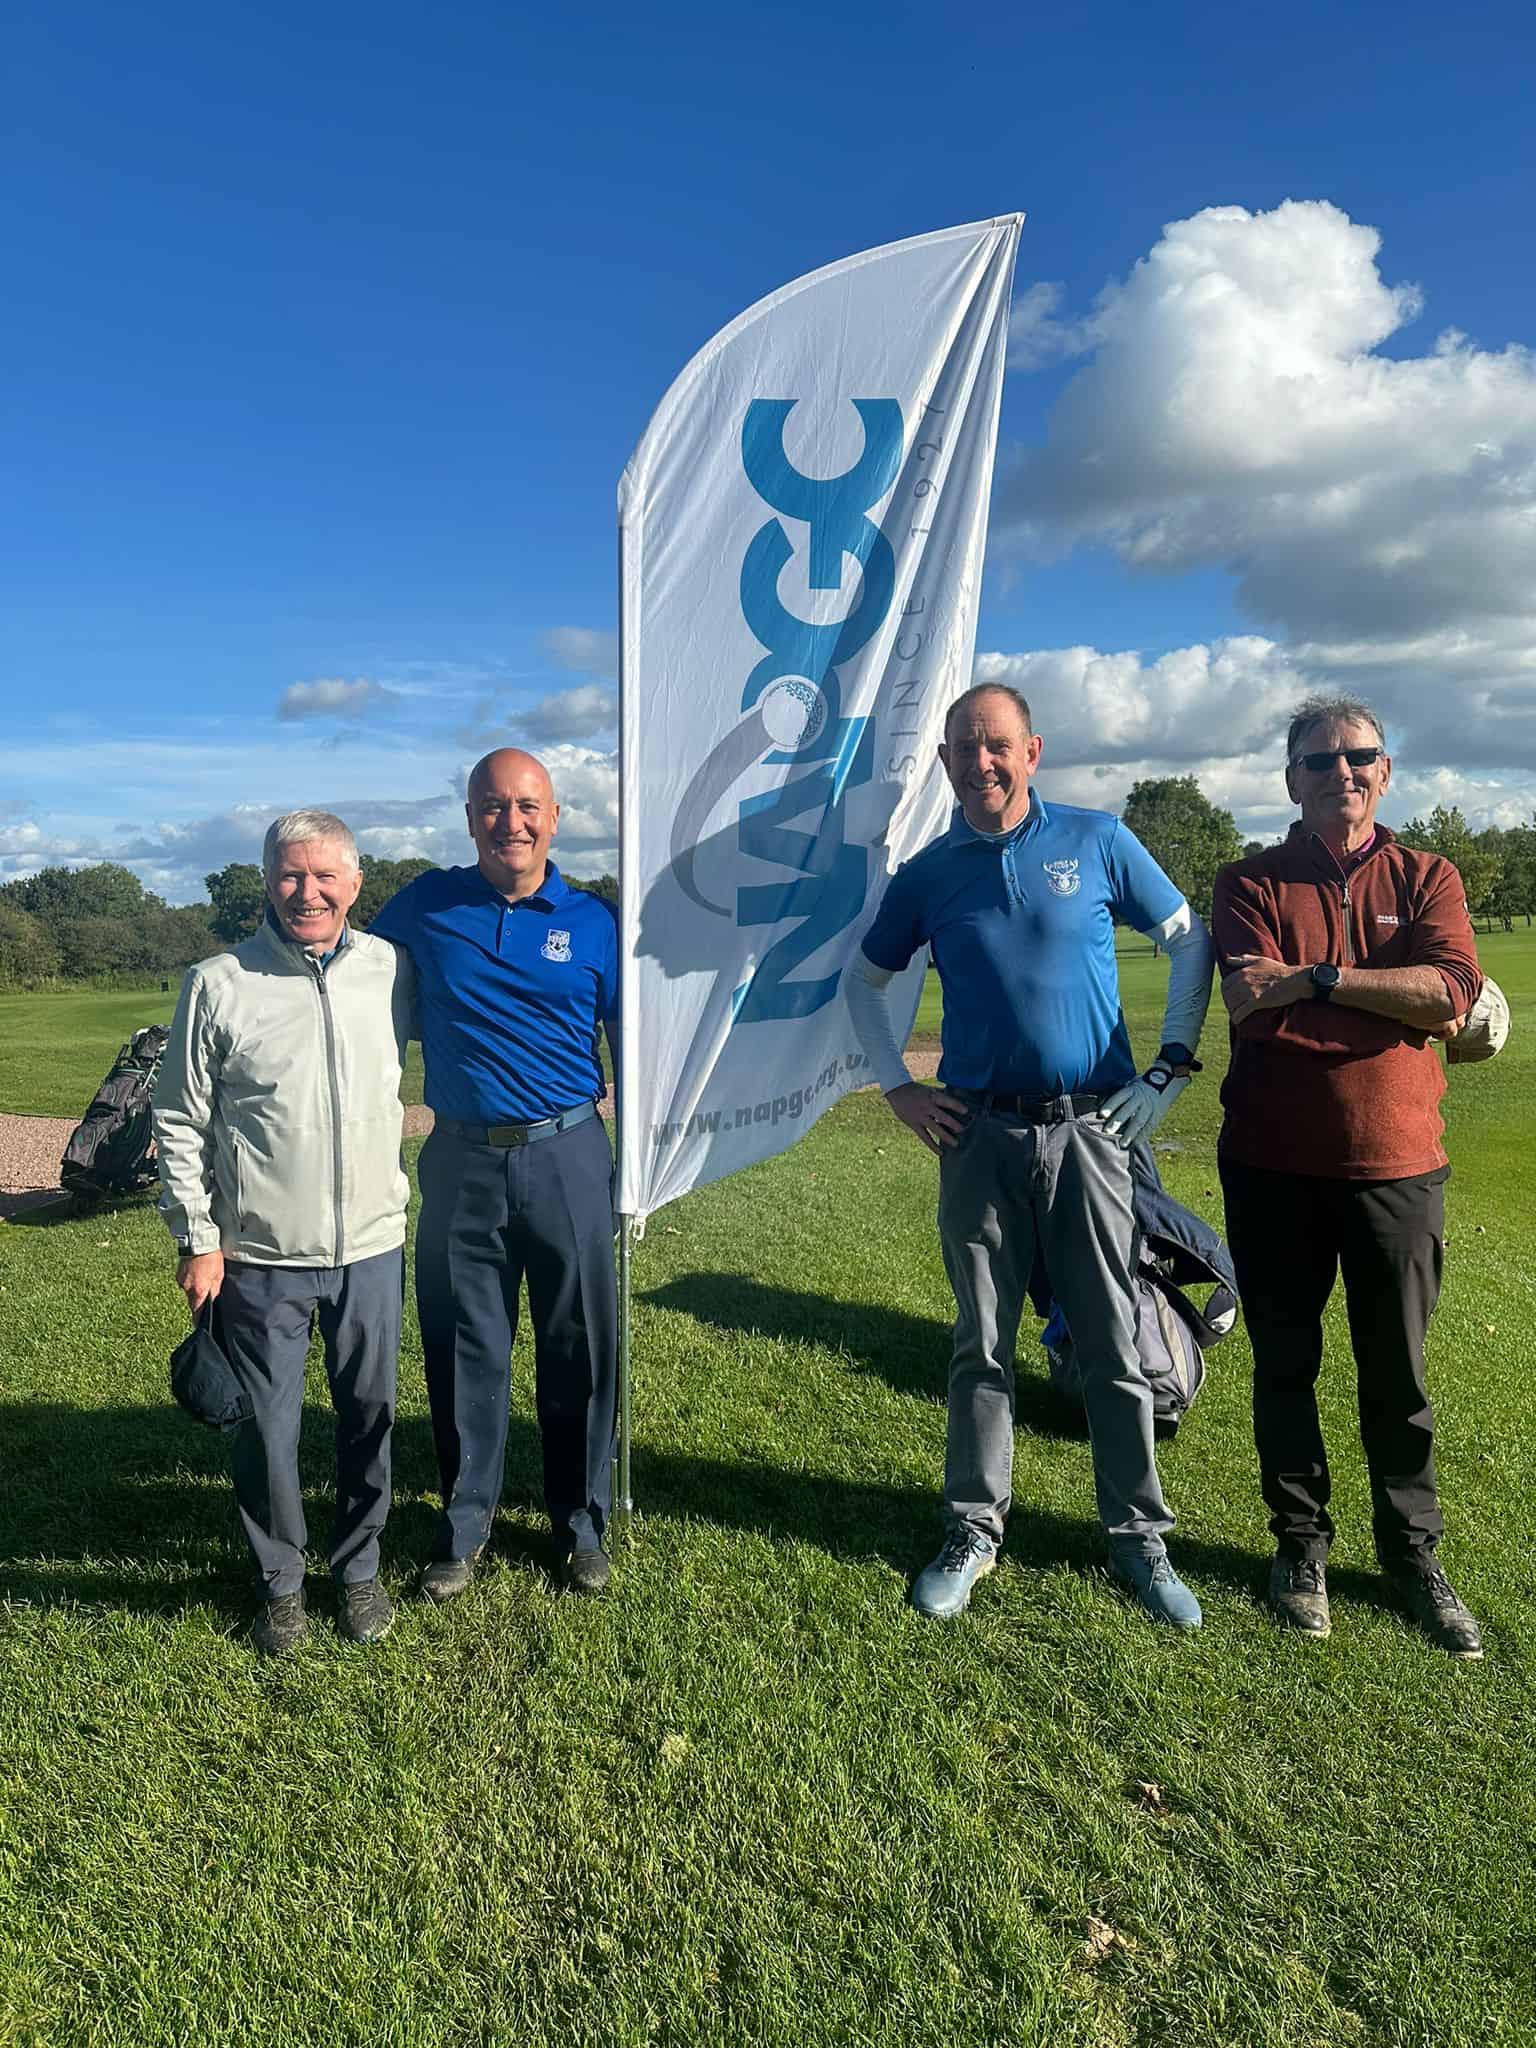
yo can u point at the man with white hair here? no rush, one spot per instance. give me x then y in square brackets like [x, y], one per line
[1344, 954]
[277, 1125]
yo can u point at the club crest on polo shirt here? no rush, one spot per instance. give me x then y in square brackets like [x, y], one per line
[557, 946]
[1062, 876]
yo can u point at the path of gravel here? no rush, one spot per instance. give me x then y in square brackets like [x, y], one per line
[32, 1146]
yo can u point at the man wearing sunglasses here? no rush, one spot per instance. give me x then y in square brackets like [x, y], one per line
[1344, 956]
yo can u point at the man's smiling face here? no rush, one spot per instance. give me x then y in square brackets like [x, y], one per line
[1338, 801]
[311, 886]
[512, 819]
[989, 755]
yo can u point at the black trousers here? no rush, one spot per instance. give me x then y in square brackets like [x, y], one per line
[263, 1321]
[492, 1216]
[1290, 1235]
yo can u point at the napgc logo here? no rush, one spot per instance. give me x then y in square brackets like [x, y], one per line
[792, 707]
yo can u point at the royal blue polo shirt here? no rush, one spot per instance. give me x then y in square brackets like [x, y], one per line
[1022, 927]
[510, 995]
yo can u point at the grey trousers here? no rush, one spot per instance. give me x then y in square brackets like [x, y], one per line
[1004, 1186]
[263, 1322]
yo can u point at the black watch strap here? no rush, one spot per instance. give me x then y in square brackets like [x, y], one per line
[1177, 1058]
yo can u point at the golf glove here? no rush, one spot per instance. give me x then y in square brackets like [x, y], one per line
[1136, 1110]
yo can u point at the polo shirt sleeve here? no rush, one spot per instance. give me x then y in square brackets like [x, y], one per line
[394, 921]
[898, 930]
[1141, 895]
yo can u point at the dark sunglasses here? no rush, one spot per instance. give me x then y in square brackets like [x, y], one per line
[1357, 757]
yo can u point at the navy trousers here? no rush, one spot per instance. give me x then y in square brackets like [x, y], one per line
[263, 1321]
[491, 1217]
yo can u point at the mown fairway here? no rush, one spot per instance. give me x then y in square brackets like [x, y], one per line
[751, 1798]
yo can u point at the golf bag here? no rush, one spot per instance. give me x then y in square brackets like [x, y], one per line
[1175, 1250]
[112, 1150]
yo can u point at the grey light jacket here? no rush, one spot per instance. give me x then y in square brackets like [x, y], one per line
[277, 1111]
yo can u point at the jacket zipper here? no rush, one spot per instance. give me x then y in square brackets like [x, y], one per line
[1349, 928]
[335, 1089]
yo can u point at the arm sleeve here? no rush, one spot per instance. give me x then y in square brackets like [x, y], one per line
[1191, 957]
[1243, 921]
[183, 1120]
[869, 1008]
[1442, 936]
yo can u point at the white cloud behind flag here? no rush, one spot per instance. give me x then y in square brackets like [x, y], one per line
[802, 530]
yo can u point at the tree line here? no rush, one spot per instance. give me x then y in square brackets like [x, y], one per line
[1190, 838]
[100, 924]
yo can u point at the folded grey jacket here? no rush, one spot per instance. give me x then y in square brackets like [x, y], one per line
[277, 1111]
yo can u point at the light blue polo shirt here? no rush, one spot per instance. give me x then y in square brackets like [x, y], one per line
[510, 995]
[1022, 927]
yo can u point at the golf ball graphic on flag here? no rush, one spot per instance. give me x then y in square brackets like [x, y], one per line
[794, 712]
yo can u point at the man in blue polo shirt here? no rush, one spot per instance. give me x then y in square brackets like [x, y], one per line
[516, 972]
[1038, 1103]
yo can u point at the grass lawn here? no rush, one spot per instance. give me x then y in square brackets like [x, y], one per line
[751, 1798]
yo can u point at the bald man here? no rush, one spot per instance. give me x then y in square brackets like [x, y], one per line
[516, 971]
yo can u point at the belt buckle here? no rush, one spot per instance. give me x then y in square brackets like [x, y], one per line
[508, 1136]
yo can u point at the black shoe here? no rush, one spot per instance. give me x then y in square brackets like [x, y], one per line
[1439, 1610]
[585, 1571]
[445, 1578]
[366, 1614]
[1298, 1595]
[280, 1625]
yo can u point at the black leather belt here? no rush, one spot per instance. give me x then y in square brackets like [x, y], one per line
[509, 1135]
[1032, 1109]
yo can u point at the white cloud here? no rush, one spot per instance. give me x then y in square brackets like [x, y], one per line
[1218, 713]
[1380, 510]
[577, 714]
[1191, 704]
[332, 698]
[582, 650]
[1036, 336]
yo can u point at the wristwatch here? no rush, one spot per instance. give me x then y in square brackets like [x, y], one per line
[1325, 979]
[1173, 1062]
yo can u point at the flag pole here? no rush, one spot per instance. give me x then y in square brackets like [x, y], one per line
[625, 1499]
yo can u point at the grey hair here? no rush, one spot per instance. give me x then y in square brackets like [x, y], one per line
[968, 697]
[295, 826]
[1331, 711]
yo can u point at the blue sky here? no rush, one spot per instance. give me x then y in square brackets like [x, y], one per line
[330, 330]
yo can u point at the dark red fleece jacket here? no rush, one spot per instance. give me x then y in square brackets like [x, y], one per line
[1317, 1087]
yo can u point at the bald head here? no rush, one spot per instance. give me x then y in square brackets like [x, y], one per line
[490, 768]
[512, 817]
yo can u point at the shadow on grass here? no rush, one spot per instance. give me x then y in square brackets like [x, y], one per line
[910, 1353]
[41, 1208]
[132, 1508]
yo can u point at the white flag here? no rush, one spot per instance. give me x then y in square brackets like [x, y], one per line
[801, 538]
